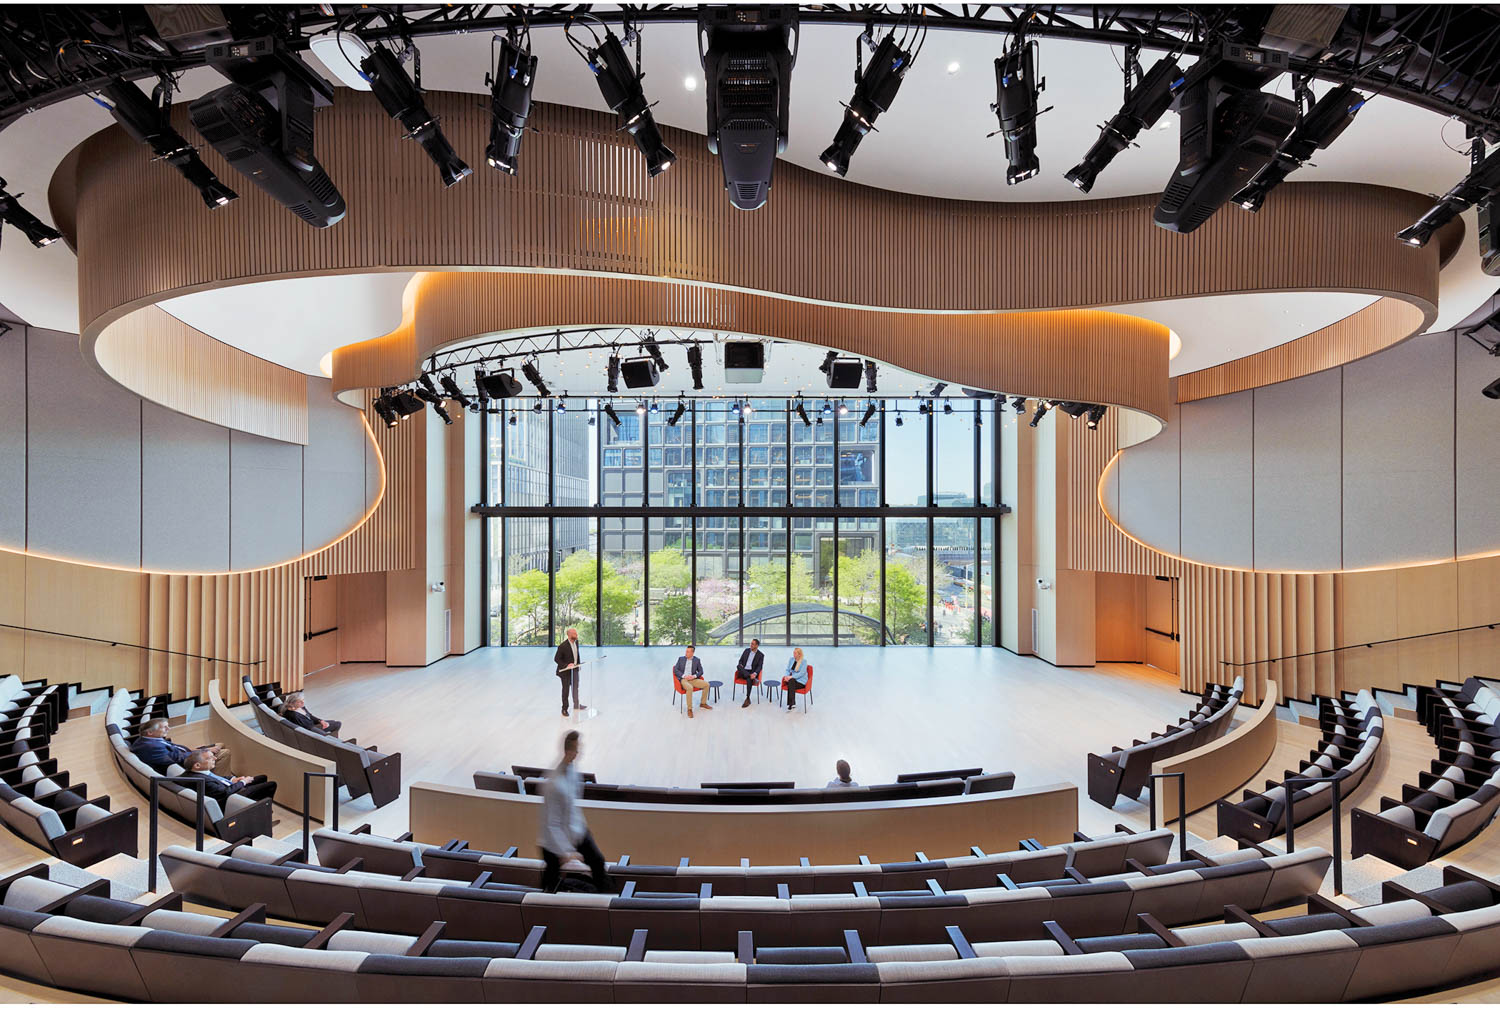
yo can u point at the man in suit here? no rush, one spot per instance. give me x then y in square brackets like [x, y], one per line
[568, 659]
[296, 712]
[751, 660]
[689, 672]
[201, 765]
[156, 751]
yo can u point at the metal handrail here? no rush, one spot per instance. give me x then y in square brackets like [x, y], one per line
[307, 777]
[1363, 644]
[1338, 824]
[200, 793]
[127, 644]
[1182, 810]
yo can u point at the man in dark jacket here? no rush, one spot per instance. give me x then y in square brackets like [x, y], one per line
[201, 765]
[568, 659]
[156, 751]
[296, 712]
[751, 660]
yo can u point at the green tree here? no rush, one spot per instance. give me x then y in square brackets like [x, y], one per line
[765, 582]
[526, 594]
[670, 569]
[671, 621]
[905, 604]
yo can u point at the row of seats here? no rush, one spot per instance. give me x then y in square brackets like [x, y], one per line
[1453, 800]
[1352, 732]
[1004, 909]
[362, 770]
[527, 780]
[41, 803]
[1126, 769]
[238, 818]
[81, 939]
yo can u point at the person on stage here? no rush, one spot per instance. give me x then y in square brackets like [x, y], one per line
[689, 672]
[568, 659]
[564, 834]
[795, 678]
[751, 660]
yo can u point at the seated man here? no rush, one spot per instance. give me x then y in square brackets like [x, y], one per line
[843, 780]
[201, 765]
[156, 751]
[689, 672]
[751, 660]
[296, 712]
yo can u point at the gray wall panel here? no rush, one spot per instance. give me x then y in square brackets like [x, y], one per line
[1218, 480]
[265, 500]
[84, 480]
[1297, 479]
[185, 492]
[1398, 454]
[333, 467]
[1148, 475]
[13, 438]
[1477, 481]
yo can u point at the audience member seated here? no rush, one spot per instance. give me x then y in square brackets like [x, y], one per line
[689, 672]
[156, 751]
[201, 765]
[296, 712]
[843, 780]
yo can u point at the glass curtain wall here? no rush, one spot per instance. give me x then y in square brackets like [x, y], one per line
[737, 519]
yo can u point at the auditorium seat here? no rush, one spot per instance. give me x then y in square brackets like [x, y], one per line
[1352, 734]
[1125, 770]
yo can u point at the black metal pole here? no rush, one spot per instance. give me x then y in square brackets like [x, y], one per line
[151, 836]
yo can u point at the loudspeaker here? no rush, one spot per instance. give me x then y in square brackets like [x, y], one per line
[501, 386]
[845, 373]
[639, 373]
[744, 362]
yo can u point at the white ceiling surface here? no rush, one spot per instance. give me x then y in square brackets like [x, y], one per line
[935, 112]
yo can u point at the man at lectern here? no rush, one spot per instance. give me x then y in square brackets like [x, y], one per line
[568, 659]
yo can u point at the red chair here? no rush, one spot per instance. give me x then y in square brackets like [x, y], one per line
[677, 690]
[741, 681]
[806, 687]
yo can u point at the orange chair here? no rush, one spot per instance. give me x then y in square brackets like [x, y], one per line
[740, 681]
[806, 687]
[677, 691]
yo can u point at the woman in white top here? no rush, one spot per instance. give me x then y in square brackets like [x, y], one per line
[564, 834]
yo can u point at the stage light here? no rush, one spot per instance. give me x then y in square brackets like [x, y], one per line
[402, 101]
[1018, 404]
[640, 408]
[875, 87]
[609, 411]
[145, 121]
[510, 100]
[655, 407]
[536, 407]
[734, 407]
[922, 408]
[620, 85]
[534, 376]
[827, 410]
[654, 349]
[426, 390]
[870, 376]
[383, 408]
[820, 420]
[613, 373]
[802, 413]
[1096, 414]
[1073, 409]
[695, 364]
[1144, 104]
[676, 414]
[405, 404]
[1042, 406]
[512, 421]
[947, 406]
[454, 392]
[747, 64]
[1016, 90]
[899, 421]
[1320, 126]
[869, 413]
[843, 409]
[593, 421]
[937, 390]
[562, 406]
[442, 413]
[1481, 184]
[748, 408]
[17, 216]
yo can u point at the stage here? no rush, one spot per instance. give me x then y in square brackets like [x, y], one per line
[886, 711]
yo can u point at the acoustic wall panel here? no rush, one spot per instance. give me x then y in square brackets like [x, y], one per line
[1149, 505]
[1218, 480]
[13, 438]
[1398, 455]
[1477, 451]
[1298, 437]
[333, 467]
[184, 492]
[265, 500]
[83, 486]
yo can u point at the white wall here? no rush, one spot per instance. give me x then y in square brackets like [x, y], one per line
[1393, 459]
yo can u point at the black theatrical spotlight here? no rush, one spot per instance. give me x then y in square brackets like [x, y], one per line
[406, 403]
[1489, 241]
[1016, 90]
[1073, 409]
[654, 349]
[1018, 404]
[609, 411]
[510, 99]
[947, 406]
[802, 413]
[899, 421]
[747, 71]
[695, 364]
[1317, 127]
[17, 216]
[875, 87]
[843, 409]
[1480, 185]
[562, 405]
[402, 100]
[1042, 406]
[640, 408]
[1144, 104]
[1096, 414]
[869, 376]
[937, 390]
[677, 414]
[442, 413]
[869, 413]
[425, 390]
[512, 420]
[612, 373]
[535, 378]
[620, 83]
[383, 408]
[146, 121]
[453, 391]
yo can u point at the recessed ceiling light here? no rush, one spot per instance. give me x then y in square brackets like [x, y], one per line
[690, 83]
[952, 67]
